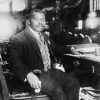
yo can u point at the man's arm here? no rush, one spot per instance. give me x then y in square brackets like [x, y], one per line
[16, 50]
[60, 49]
[16, 59]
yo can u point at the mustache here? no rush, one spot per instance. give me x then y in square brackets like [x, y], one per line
[45, 26]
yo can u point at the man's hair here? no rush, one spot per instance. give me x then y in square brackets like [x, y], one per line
[32, 13]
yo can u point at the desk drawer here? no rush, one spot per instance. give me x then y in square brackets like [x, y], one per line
[83, 65]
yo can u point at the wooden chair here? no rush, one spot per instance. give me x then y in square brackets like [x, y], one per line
[12, 87]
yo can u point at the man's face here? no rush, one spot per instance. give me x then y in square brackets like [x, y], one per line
[38, 22]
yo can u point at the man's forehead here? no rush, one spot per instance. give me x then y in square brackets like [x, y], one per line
[38, 14]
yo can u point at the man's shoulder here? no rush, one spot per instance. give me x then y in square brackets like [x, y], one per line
[19, 36]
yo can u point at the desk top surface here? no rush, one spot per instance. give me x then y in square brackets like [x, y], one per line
[86, 56]
[87, 51]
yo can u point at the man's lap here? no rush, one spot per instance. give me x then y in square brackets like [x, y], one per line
[57, 78]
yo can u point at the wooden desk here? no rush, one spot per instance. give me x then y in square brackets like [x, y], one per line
[86, 62]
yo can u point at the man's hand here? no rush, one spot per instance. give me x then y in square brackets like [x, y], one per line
[74, 51]
[59, 66]
[33, 80]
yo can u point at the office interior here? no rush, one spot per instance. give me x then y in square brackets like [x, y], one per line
[74, 23]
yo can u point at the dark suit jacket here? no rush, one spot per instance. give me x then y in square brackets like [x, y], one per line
[25, 54]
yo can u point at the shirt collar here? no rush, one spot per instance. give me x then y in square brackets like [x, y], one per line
[36, 34]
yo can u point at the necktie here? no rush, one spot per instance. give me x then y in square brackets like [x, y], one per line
[44, 52]
[41, 37]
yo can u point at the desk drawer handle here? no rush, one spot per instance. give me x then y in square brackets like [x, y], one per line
[76, 63]
[93, 69]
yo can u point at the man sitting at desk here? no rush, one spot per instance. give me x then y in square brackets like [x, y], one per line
[31, 51]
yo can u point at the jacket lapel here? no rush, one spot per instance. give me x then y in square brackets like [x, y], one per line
[32, 41]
